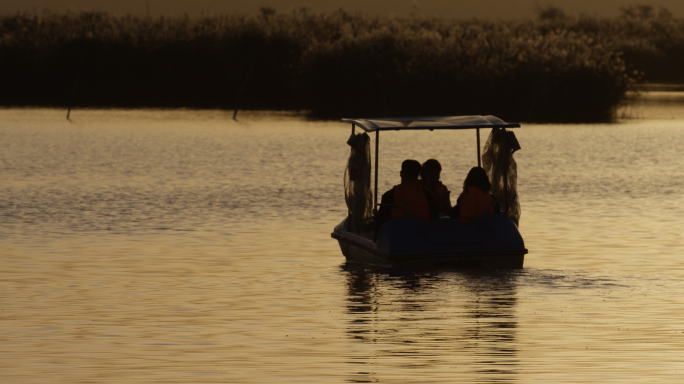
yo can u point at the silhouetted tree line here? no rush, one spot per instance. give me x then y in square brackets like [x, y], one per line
[554, 68]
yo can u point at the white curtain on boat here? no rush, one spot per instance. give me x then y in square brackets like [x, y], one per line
[500, 165]
[357, 179]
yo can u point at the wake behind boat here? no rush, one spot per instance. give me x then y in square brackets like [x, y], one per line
[488, 240]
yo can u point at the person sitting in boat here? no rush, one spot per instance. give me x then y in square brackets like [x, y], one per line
[475, 199]
[440, 193]
[409, 196]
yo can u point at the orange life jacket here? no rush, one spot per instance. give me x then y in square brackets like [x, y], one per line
[438, 193]
[440, 190]
[411, 195]
[473, 202]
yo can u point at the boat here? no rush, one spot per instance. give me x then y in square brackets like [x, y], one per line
[487, 241]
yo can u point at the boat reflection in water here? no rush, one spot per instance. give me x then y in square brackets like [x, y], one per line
[405, 324]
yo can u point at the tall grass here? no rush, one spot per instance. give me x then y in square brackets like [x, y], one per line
[337, 64]
[473, 67]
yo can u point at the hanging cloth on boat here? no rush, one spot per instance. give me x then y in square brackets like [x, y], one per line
[357, 179]
[500, 165]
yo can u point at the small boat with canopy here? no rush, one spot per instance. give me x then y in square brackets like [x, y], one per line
[487, 241]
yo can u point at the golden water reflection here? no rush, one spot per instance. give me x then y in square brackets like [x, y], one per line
[457, 323]
[175, 246]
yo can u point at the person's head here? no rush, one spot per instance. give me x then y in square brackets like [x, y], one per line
[431, 170]
[477, 177]
[410, 169]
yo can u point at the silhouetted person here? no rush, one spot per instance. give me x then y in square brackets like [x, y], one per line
[410, 194]
[440, 193]
[475, 199]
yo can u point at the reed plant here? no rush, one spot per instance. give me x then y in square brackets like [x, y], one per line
[338, 64]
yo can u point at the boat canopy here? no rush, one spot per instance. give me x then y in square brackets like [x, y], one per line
[430, 123]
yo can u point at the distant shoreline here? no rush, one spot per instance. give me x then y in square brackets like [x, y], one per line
[333, 65]
[647, 87]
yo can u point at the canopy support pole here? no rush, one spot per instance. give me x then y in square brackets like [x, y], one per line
[375, 195]
[349, 212]
[479, 158]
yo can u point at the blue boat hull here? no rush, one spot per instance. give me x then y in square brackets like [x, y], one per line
[488, 241]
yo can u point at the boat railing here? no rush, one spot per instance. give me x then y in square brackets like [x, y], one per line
[408, 213]
[495, 202]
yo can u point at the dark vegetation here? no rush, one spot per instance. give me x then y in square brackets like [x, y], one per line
[553, 68]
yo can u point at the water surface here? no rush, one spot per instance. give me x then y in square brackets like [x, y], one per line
[185, 247]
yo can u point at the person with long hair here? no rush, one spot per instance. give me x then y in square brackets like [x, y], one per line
[475, 200]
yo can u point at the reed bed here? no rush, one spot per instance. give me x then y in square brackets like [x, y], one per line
[338, 64]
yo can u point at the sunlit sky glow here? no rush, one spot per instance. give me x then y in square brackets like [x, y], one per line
[484, 9]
